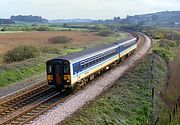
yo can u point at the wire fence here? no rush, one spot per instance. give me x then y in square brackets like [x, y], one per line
[172, 115]
[173, 112]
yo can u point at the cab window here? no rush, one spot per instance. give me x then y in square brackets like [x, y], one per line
[49, 69]
[66, 68]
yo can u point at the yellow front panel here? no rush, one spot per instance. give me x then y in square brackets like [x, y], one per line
[50, 77]
[67, 77]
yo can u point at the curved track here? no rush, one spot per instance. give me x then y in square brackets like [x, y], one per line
[73, 103]
[24, 107]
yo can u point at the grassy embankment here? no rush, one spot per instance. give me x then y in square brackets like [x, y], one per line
[15, 72]
[167, 42]
[129, 101]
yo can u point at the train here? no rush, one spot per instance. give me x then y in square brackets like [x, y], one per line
[76, 69]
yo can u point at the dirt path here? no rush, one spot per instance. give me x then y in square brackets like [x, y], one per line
[59, 113]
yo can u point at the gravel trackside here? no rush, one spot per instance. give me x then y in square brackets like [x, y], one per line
[71, 105]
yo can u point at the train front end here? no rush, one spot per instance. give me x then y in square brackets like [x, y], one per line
[58, 73]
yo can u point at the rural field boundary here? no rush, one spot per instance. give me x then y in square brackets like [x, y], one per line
[173, 111]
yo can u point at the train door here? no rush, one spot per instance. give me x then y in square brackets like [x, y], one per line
[58, 74]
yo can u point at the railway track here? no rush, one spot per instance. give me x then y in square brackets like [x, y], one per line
[26, 106]
[23, 107]
[14, 97]
[18, 102]
[33, 111]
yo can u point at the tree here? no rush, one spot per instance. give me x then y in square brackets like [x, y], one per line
[117, 19]
[65, 25]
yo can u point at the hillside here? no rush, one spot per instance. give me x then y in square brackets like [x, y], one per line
[6, 21]
[29, 18]
[165, 18]
[71, 21]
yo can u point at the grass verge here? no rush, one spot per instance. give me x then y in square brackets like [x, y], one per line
[129, 101]
[15, 72]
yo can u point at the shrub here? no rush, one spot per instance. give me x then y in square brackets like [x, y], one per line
[43, 28]
[167, 43]
[3, 29]
[105, 33]
[165, 53]
[59, 39]
[21, 53]
[158, 35]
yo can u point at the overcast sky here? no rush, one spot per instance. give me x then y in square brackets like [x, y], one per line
[93, 9]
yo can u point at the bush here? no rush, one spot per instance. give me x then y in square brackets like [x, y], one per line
[165, 53]
[59, 39]
[167, 43]
[21, 53]
[105, 33]
[43, 28]
[3, 29]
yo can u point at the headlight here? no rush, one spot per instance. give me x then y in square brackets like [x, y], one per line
[50, 77]
[67, 77]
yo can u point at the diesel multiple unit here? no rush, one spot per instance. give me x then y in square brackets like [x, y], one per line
[68, 71]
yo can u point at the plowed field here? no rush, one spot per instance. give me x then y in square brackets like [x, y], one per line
[80, 39]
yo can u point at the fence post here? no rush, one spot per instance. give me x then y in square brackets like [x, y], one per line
[174, 111]
[156, 121]
[152, 92]
[170, 117]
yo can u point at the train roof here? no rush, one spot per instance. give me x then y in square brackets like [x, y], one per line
[92, 50]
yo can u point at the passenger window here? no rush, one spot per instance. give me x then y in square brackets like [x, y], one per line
[82, 67]
[94, 61]
[86, 65]
[74, 69]
[78, 67]
[90, 63]
[103, 58]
